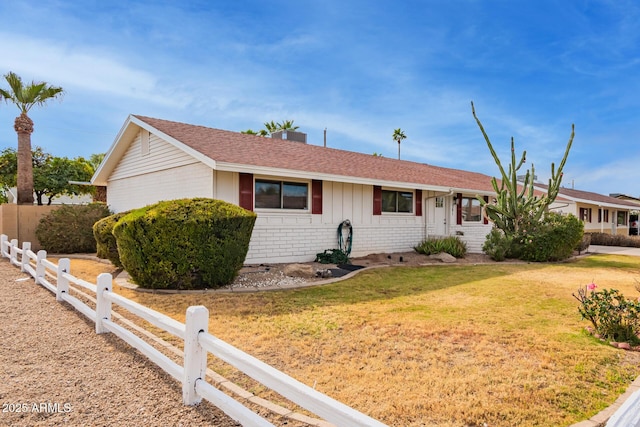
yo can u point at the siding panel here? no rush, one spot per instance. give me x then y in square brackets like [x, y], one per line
[175, 183]
[162, 155]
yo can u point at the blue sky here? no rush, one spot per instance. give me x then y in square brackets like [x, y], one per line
[360, 69]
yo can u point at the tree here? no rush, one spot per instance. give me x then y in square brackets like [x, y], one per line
[25, 97]
[8, 171]
[95, 160]
[287, 125]
[398, 135]
[52, 178]
[51, 175]
[261, 132]
[517, 205]
[271, 127]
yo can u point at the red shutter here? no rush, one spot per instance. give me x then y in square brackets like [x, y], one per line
[377, 200]
[459, 208]
[246, 191]
[316, 197]
[486, 220]
[418, 202]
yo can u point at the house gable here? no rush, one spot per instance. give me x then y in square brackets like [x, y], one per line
[147, 153]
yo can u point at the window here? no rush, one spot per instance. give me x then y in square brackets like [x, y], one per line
[440, 202]
[281, 195]
[471, 210]
[622, 218]
[397, 201]
[585, 214]
[603, 215]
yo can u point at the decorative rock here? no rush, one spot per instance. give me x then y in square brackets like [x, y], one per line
[299, 270]
[614, 344]
[598, 336]
[444, 257]
[324, 273]
[624, 345]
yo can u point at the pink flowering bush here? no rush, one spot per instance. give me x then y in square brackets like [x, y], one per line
[613, 317]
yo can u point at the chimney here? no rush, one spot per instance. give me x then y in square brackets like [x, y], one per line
[290, 135]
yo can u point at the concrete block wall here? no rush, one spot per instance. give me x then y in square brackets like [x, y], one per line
[289, 242]
[301, 242]
[474, 236]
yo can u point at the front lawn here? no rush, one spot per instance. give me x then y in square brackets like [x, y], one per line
[501, 344]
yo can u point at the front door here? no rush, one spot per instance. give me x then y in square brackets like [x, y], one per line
[440, 217]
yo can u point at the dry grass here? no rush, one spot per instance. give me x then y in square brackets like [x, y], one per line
[500, 344]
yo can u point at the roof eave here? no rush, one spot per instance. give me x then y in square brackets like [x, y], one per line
[300, 174]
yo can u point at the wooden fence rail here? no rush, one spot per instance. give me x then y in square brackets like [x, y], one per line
[198, 343]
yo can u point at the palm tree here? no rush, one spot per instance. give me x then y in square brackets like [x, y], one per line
[271, 127]
[287, 125]
[398, 135]
[25, 97]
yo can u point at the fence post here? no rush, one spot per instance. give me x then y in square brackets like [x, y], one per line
[195, 357]
[14, 245]
[24, 260]
[40, 267]
[3, 243]
[103, 305]
[62, 283]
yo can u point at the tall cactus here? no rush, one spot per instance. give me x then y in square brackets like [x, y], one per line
[516, 204]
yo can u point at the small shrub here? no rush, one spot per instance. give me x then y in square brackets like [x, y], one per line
[184, 244]
[69, 229]
[451, 245]
[613, 316]
[497, 245]
[107, 247]
[552, 239]
[332, 256]
[584, 243]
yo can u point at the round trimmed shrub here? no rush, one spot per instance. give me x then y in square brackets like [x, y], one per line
[553, 239]
[184, 244]
[107, 247]
[69, 228]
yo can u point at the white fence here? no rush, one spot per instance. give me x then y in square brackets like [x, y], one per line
[197, 343]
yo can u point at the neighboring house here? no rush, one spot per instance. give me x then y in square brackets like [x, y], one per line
[300, 192]
[633, 218]
[61, 199]
[599, 213]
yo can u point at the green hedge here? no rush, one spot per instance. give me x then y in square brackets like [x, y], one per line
[69, 228]
[605, 239]
[553, 239]
[107, 247]
[184, 244]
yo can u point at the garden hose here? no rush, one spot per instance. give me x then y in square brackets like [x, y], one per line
[345, 246]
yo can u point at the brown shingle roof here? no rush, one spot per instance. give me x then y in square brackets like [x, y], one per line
[573, 194]
[237, 148]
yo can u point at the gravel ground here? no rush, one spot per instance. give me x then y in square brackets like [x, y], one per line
[55, 370]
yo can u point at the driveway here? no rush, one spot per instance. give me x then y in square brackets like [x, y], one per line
[613, 250]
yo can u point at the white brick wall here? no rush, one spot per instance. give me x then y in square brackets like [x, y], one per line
[298, 242]
[473, 235]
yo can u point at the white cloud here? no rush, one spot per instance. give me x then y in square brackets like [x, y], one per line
[84, 68]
